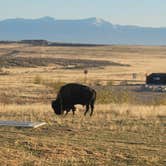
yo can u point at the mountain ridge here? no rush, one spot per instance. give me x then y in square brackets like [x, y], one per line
[90, 30]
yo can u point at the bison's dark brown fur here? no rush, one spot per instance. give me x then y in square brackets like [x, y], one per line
[72, 94]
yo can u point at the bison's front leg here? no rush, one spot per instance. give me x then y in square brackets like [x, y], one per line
[73, 110]
[66, 112]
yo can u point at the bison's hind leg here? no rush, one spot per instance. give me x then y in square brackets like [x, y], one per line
[92, 108]
[87, 109]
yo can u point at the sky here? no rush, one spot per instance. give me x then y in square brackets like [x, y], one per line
[151, 13]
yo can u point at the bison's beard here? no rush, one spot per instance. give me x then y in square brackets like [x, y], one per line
[56, 107]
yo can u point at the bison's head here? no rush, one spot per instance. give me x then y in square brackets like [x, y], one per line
[57, 107]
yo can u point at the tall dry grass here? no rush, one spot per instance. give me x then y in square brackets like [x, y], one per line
[39, 112]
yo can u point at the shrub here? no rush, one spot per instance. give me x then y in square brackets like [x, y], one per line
[110, 83]
[106, 96]
[38, 80]
[55, 85]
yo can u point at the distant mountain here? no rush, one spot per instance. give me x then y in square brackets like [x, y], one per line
[91, 30]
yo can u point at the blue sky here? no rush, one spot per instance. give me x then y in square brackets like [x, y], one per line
[133, 12]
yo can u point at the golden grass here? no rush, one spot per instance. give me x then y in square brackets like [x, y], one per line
[117, 134]
[136, 56]
[33, 112]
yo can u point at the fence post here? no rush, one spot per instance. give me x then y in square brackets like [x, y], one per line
[85, 76]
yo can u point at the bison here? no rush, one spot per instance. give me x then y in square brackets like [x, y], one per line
[71, 94]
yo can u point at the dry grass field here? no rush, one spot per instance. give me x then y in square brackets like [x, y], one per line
[125, 130]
